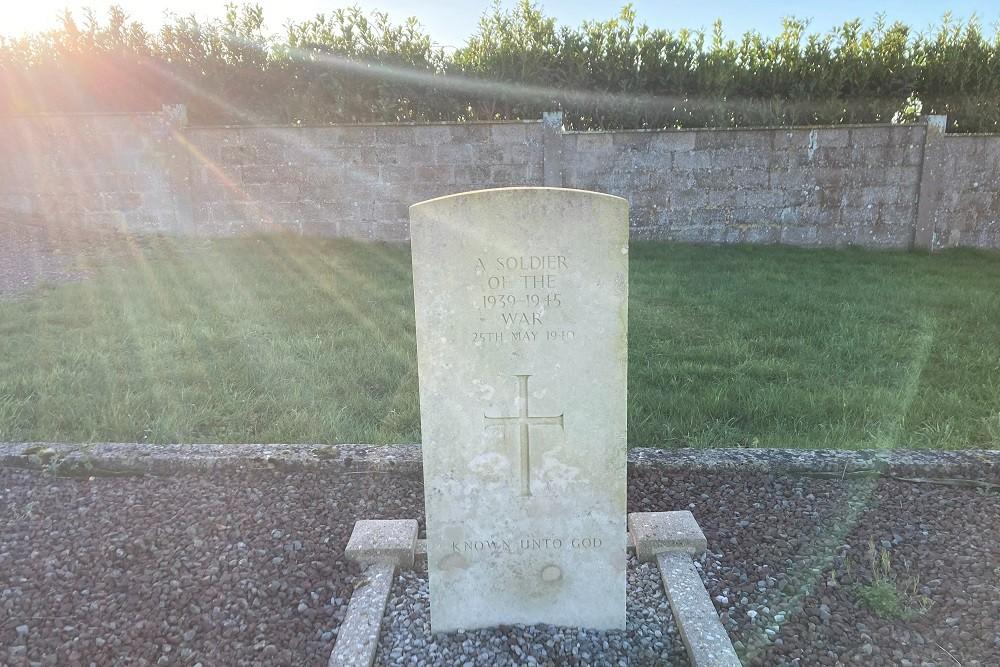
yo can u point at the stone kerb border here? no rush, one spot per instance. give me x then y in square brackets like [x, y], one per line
[118, 459]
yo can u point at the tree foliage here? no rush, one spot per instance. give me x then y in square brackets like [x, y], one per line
[349, 66]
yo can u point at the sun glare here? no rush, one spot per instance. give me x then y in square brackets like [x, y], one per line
[729, 299]
[19, 18]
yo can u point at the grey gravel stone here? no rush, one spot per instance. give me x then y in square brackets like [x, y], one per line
[650, 637]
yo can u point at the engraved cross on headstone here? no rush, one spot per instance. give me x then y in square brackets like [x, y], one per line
[524, 422]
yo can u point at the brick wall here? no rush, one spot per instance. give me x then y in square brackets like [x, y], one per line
[874, 186]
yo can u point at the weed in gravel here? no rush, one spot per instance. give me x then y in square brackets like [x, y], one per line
[888, 596]
[842, 572]
[26, 513]
[883, 599]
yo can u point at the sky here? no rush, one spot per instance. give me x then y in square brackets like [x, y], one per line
[450, 22]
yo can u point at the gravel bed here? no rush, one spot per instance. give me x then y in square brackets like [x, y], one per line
[650, 637]
[243, 569]
[29, 257]
[36, 253]
[246, 567]
[788, 557]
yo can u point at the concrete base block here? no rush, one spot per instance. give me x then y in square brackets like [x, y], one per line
[392, 540]
[656, 532]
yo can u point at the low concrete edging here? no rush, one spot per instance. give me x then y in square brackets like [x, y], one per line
[706, 640]
[357, 637]
[381, 547]
[673, 540]
[404, 459]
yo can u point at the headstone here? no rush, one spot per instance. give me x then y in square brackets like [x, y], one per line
[521, 312]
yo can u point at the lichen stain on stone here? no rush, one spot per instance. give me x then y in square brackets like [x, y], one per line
[485, 391]
[490, 467]
[453, 562]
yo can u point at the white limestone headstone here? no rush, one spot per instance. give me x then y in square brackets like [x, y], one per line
[521, 312]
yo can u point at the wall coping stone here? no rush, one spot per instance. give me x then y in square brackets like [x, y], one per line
[433, 123]
[97, 459]
[758, 128]
[78, 114]
[523, 121]
[972, 135]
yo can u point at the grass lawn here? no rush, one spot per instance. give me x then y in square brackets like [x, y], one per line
[287, 339]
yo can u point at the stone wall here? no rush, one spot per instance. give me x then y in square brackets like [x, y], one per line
[355, 181]
[109, 170]
[965, 202]
[822, 186]
[867, 185]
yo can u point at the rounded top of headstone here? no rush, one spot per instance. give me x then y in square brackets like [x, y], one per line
[565, 193]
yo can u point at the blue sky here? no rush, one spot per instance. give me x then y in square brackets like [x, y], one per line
[451, 21]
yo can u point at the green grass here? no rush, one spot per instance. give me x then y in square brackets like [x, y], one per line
[286, 339]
